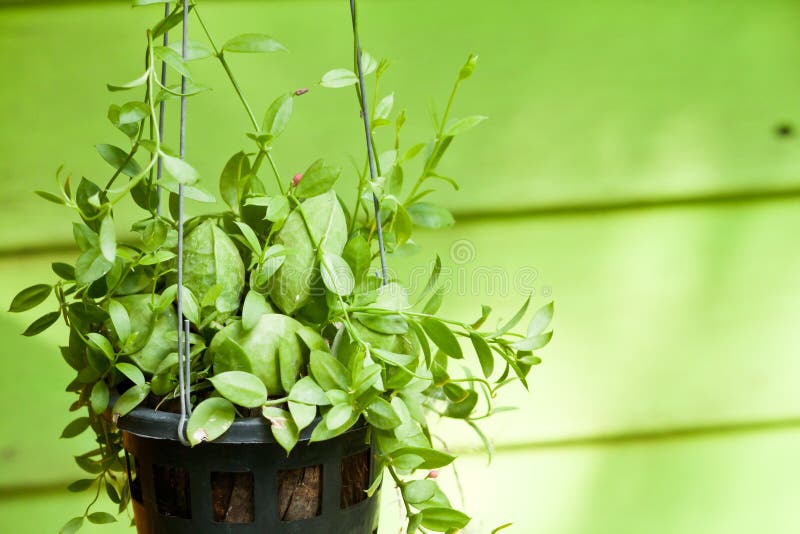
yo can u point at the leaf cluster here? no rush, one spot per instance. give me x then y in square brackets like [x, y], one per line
[288, 319]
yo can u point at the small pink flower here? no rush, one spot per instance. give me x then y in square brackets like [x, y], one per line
[433, 474]
[300, 92]
[296, 179]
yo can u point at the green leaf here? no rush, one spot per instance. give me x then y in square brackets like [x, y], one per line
[85, 238]
[283, 427]
[209, 420]
[75, 428]
[392, 296]
[112, 493]
[277, 116]
[432, 280]
[320, 216]
[258, 350]
[530, 359]
[101, 343]
[72, 526]
[414, 521]
[338, 416]
[289, 363]
[41, 324]
[133, 373]
[63, 270]
[30, 297]
[255, 305]
[86, 463]
[461, 408]
[250, 237]
[431, 458]
[336, 274]
[233, 180]
[307, 391]
[130, 399]
[357, 255]
[442, 336]
[533, 342]
[91, 266]
[339, 78]
[303, 414]
[468, 68]
[392, 358]
[193, 192]
[101, 518]
[132, 112]
[179, 169]
[194, 49]
[462, 125]
[380, 414]
[119, 159]
[81, 485]
[428, 215]
[368, 377]
[501, 527]
[189, 305]
[278, 209]
[318, 179]
[173, 59]
[211, 258]
[252, 43]
[384, 107]
[323, 432]
[483, 352]
[369, 63]
[418, 491]
[99, 397]
[385, 324]
[239, 387]
[141, 80]
[514, 320]
[120, 319]
[50, 196]
[441, 519]
[541, 319]
[327, 371]
[108, 238]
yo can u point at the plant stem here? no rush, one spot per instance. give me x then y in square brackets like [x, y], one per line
[275, 172]
[220, 55]
[401, 485]
[238, 90]
[437, 142]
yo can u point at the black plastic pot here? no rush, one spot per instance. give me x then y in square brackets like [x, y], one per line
[181, 490]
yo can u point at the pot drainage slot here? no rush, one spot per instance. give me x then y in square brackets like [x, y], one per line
[173, 494]
[232, 497]
[133, 475]
[300, 493]
[355, 473]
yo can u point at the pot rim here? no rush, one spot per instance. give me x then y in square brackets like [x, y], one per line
[149, 423]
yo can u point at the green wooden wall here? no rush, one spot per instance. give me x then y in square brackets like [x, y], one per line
[631, 170]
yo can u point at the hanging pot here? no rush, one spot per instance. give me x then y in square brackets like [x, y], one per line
[243, 482]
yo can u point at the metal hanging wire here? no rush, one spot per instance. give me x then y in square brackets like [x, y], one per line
[184, 348]
[184, 345]
[373, 172]
[161, 113]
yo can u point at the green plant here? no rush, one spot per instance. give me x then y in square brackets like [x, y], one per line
[287, 316]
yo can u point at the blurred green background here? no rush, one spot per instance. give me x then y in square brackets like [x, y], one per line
[639, 167]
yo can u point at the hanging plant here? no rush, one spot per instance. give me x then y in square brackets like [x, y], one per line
[279, 307]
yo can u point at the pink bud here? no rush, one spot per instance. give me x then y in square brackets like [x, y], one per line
[300, 92]
[433, 474]
[296, 179]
